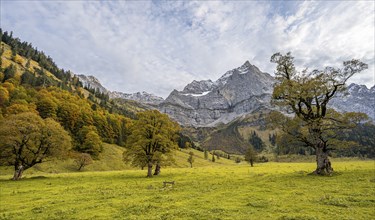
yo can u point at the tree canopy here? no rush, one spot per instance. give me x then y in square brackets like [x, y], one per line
[27, 139]
[152, 137]
[306, 95]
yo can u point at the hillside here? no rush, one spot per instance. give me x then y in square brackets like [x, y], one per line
[43, 100]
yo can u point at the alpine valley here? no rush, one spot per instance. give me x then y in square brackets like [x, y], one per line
[218, 115]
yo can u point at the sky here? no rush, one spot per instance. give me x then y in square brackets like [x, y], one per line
[158, 46]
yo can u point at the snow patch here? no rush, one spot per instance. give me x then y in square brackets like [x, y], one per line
[197, 95]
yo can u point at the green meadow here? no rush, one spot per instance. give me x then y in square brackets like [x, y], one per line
[223, 191]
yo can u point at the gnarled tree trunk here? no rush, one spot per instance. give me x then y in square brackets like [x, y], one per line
[149, 169]
[157, 169]
[322, 161]
[18, 170]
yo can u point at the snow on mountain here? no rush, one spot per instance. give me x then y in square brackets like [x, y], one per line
[238, 92]
[198, 87]
[92, 82]
[358, 98]
[203, 103]
[142, 97]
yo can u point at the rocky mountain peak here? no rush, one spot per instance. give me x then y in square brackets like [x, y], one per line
[246, 66]
[205, 103]
[197, 87]
[92, 82]
[357, 98]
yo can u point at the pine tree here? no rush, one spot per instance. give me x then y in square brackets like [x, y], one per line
[256, 142]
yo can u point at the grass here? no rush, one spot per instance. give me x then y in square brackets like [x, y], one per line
[226, 191]
[110, 159]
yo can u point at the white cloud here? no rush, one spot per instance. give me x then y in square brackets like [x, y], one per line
[158, 46]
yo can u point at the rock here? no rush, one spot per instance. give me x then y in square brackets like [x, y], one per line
[205, 103]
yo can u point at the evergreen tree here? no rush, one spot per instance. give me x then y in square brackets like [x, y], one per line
[9, 72]
[272, 139]
[27, 64]
[1, 60]
[28, 78]
[256, 142]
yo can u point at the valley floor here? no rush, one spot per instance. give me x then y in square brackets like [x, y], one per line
[266, 191]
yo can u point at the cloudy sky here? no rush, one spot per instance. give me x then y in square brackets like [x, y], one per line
[158, 46]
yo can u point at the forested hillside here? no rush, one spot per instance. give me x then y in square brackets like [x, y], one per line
[32, 82]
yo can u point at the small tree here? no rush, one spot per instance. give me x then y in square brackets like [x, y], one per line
[250, 155]
[27, 139]
[238, 160]
[191, 159]
[83, 160]
[27, 64]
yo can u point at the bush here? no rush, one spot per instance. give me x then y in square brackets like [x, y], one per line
[238, 160]
[83, 160]
[263, 159]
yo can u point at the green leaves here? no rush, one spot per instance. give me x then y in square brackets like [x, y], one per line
[306, 95]
[152, 138]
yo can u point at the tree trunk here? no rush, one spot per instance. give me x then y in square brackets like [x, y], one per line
[157, 169]
[18, 172]
[251, 163]
[322, 160]
[149, 169]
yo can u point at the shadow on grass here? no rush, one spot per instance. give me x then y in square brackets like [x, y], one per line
[24, 179]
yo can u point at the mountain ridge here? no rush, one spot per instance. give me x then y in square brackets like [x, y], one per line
[240, 91]
[143, 97]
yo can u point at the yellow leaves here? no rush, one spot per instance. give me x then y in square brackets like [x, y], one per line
[4, 96]
[152, 133]
[20, 107]
[18, 59]
[37, 138]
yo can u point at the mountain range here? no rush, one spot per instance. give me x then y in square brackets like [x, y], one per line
[143, 97]
[240, 91]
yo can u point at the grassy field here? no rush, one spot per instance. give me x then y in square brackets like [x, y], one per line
[111, 159]
[226, 191]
